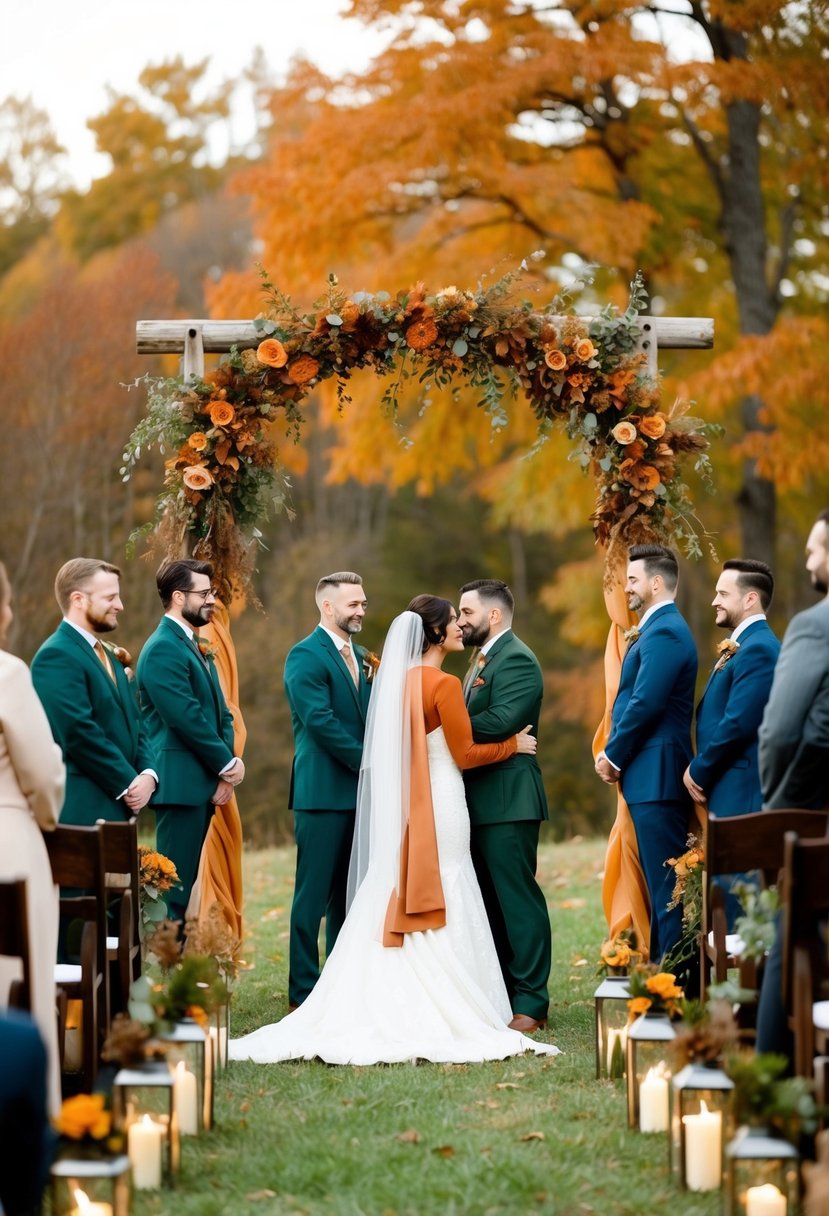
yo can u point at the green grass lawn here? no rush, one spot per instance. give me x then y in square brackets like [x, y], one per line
[527, 1135]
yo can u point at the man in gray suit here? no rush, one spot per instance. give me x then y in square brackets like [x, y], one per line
[794, 748]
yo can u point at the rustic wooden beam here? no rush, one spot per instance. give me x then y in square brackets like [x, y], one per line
[170, 337]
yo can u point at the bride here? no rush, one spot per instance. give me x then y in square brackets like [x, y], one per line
[414, 974]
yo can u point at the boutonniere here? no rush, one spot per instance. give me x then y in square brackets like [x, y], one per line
[725, 650]
[631, 635]
[207, 650]
[123, 656]
[371, 662]
[479, 683]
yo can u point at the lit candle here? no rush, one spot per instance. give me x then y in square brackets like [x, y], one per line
[703, 1149]
[616, 1044]
[653, 1101]
[87, 1206]
[144, 1147]
[765, 1201]
[186, 1099]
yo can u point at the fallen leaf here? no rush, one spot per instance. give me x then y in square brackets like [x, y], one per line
[571, 903]
[444, 1150]
[255, 1196]
[579, 962]
[408, 1137]
[533, 1136]
[507, 1085]
[244, 1107]
[490, 1104]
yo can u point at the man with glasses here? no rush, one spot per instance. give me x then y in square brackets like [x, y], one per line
[187, 720]
[89, 701]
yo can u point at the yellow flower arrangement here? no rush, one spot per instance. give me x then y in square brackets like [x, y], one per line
[653, 991]
[84, 1117]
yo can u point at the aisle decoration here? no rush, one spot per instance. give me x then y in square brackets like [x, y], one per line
[157, 875]
[653, 1003]
[90, 1173]
[212, 937]
[610, 1004]
[687, 894]
[218, 434]
[143, 1101]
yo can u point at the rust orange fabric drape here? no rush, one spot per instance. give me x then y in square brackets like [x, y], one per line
[418, 902]
[219, 879]
[624, 891]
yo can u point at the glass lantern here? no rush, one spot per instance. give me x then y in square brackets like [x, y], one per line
[90, 1187]
[762, 1175]
[610, 1001]
[648, 1073]
[144, 1098]
[701, 1114]
[190, 1054]
[220, 1032]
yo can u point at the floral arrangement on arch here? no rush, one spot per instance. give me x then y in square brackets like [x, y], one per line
[222, 476]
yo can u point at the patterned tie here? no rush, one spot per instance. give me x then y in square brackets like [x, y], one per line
[104, 657]
[348, 657]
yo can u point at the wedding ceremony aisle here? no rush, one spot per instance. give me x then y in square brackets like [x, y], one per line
[526, 1135]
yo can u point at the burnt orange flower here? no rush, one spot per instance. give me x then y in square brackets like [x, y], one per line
[585, 350]
[272, 353]
[84, 1115]
[422, 334]
[221, 413]
[196, 477]
[624, 433]
[198, 441]
[664, 985]
[556, 359]
[642, 476]
[639, 1004]
[302, 369]
[198, 1015]
[653, 426]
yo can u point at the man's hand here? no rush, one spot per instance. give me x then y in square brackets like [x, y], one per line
[235, 775]
[606, 771]
[223, 793]
[696, 791]
[139, 792]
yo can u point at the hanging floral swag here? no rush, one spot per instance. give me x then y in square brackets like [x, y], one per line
[218, 434]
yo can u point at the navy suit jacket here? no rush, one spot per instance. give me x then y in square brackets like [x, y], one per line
[650, 736]
[728, 719]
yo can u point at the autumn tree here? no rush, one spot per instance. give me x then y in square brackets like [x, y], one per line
[31, 177]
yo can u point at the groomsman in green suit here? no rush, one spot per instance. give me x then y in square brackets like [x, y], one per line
[506, 801]
[187, 720]
[89, 701]
[327, 686]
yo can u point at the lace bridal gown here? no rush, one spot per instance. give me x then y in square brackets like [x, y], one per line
[440, 996]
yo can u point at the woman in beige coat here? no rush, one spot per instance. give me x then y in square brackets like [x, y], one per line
[32, 778]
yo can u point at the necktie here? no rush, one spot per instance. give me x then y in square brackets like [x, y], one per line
[104, 657]
[348, 658]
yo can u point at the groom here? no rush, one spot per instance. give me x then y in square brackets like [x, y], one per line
[506, 801]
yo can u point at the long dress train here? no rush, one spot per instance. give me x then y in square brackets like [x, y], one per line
[440, 996]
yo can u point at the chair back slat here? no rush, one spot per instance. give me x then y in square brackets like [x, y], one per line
[805, 958]
[14, 938]
[755, 842]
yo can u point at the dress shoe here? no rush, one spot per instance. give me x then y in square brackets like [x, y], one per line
[292, 1008]
[523, 1023]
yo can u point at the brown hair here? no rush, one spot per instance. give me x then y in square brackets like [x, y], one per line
[74, 576]
[177, 575]
[435, 613]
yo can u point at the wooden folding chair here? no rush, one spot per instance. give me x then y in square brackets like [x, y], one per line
[121, 885]
[76, 856]
[733, 845]
[14, 939]
[805, 957]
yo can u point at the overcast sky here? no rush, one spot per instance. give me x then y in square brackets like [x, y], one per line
[63, 53]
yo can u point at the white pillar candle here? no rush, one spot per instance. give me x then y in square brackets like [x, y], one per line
[186, 1099]
[703, 1149]
[88, 1207]
[653, 1102]
[144, 1148]
[765, 1201]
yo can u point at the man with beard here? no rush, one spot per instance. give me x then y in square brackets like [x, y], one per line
[650, 737]
[507, 803]
[327, 686]
[187, 720]
[90, 704]
[724, 775]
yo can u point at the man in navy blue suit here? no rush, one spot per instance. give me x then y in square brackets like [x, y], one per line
[725, 773]
[650, 738]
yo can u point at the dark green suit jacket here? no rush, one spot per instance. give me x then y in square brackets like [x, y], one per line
[507, 698]
[328, 713]
[95, 722]
[186, 716]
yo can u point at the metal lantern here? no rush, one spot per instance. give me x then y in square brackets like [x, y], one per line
[220, 1032]
[144, 1098]
[648, 1073]
[89, 1187]
[762, 1175]
[702, 1102]
[191, 1058]
[610, 1001]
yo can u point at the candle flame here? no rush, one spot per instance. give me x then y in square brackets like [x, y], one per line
[703, 1109]
[82, 1200]
[658, 1072]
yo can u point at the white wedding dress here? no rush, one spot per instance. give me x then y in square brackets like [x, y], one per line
[439, 997]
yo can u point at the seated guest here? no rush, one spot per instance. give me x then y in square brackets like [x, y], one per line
[26, 1139]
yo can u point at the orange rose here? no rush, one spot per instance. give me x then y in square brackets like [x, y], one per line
[422, 334]
[221, 413]
[272, 353]
[624, 433]
[197, 478]
[556, 359]
[653, 426]
[84, 1115]
[642, 476]
[198, 441]
[303, 369]
[639, 1004]
[585, 350]
[664, 986]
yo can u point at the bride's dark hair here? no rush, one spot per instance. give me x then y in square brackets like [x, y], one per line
[435, 614]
